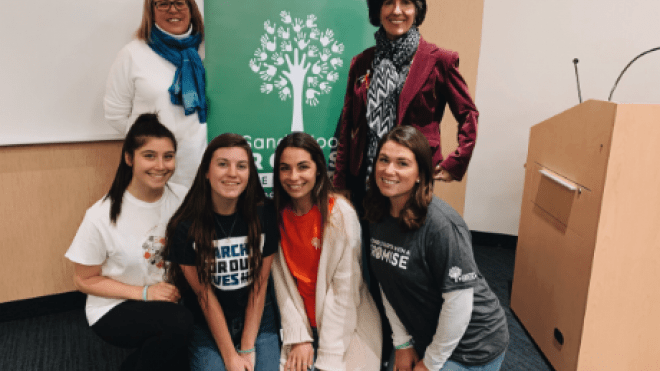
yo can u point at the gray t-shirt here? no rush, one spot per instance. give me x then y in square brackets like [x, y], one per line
[415, 268]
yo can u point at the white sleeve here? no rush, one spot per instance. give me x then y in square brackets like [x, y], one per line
[454, 319]
[88, 247]
[119, 92]
[339, 315]
[399, 333]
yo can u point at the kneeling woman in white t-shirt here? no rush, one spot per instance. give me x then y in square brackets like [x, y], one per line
[117, 254]
[221, 244]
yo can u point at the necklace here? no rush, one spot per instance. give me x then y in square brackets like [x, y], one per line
[228, 235]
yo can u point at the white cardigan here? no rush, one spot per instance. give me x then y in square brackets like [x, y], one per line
[348, 323]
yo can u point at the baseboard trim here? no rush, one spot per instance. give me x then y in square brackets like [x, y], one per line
[43, 305]
[490, 239]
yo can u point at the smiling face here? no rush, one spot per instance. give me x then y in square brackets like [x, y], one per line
[396, 173]
[153, 164]
[298, 176]
[397, 16]
[228, 176]
[172, 20]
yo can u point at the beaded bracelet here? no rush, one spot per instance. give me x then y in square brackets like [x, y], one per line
[144, 292]
[245, 351]
[404, 345]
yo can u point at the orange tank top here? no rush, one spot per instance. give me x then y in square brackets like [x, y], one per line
[301, 246]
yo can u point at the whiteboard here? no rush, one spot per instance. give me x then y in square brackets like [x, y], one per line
[54, 61]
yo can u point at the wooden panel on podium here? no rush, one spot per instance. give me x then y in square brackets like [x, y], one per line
[588, 244]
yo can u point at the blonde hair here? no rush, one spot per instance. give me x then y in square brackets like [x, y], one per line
[144, 31]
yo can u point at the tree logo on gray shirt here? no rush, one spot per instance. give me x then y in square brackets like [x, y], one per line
[457, 275]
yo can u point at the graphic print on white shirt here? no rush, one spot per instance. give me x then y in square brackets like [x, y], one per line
[152, 246]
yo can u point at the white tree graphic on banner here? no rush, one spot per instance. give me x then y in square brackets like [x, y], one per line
[288, 53]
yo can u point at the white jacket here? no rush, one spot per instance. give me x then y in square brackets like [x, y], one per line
[138, 83]
[348, 323]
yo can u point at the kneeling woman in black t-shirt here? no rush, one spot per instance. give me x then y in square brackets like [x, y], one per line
[442, 312]
[221, 242]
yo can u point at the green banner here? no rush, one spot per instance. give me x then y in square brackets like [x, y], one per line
[274, 67]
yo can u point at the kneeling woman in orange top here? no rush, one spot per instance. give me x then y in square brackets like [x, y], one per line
[329, 319]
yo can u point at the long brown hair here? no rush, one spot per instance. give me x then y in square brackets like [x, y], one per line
[413, 214]
[146, 126]
[197, 207]
[322, 187]
[144, 31]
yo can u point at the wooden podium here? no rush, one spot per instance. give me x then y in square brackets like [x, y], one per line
[586, 284]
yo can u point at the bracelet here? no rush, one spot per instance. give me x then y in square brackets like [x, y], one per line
[144, 292]
[239, 351]
[404, 345]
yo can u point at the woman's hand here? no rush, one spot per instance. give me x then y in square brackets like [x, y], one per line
[250, 357]
[420, 366]
[406, 359]
[238, 363]
[300, 358]
[442, 174]
[163, 291]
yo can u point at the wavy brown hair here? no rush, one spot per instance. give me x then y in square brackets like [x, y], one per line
[197, 208]
[146, 126]
[322, 186]
[413, 214]
[144, 31]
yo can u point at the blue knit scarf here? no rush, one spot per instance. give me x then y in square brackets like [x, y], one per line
[188, 87]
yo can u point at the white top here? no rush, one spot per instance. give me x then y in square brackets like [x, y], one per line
[127, 251]
[454, 320]
[347, 319]
[138, 83]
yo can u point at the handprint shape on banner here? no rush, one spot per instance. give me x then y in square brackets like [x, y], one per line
[303, 50]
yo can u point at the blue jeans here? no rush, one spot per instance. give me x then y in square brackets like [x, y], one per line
[205, 355]
[493, 365]
[450, 365]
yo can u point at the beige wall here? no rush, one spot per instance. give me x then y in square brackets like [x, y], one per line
[45, 192]
[455, 25]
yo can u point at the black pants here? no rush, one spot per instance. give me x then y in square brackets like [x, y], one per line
[159, 330]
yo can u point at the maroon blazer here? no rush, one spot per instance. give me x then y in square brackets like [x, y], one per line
[432, 83]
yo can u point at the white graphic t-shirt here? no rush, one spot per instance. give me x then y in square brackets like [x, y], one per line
[128, 251]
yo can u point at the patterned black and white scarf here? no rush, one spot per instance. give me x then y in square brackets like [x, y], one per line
[391, 65]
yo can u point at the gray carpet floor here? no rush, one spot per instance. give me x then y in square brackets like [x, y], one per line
[63, 341]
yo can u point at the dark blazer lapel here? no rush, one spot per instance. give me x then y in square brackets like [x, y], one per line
[419, 72]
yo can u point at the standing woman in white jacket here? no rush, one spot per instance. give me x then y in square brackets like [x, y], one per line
[329, 319]
[161, 71]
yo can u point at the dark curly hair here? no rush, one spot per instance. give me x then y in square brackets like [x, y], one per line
[376, 5]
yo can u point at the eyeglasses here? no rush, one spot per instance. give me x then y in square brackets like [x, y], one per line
[165, 6]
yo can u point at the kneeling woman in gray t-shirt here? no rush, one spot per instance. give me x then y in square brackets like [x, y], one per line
[442, 312]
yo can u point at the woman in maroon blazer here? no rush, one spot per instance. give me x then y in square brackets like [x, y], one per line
[403, 80]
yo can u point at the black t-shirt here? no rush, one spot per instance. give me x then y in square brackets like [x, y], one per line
[416, 268]
[230, 274]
